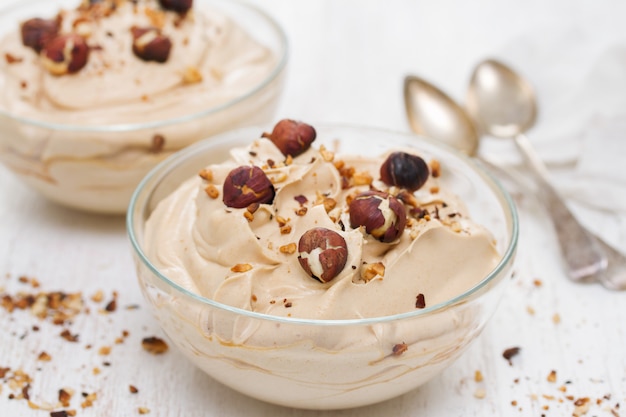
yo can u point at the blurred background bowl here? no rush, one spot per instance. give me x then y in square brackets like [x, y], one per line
[96, 165]
[325, 364]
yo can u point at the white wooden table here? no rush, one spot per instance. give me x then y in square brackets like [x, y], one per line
[347, 64]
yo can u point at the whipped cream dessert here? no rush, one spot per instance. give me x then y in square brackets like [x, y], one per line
[390, 246]
[289, 231]
[123, 63]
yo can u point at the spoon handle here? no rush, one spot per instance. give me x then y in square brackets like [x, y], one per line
[583, 256]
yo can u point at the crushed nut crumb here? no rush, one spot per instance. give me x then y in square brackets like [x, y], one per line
[288, 249]
[154, 345]
[241, 268]
[212, 191]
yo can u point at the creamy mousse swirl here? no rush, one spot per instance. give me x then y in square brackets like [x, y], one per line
[212, 60]
[248, 257]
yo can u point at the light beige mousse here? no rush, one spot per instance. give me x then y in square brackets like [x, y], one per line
[128, 77]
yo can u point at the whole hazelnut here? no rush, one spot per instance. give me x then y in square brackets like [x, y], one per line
[404, 170]
[322, 253]
[292, 137]
[178, 6]
[36, 32]
[382, 215]
[65, 54]
[247, 185]
[149, 44]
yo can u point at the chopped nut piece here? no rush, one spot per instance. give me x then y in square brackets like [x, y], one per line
[480, 393]
[143, 410]
[156, 17]
[420, 301]
[104, 350]
[434, 189]
[362, 178]
[301, 211]
[241, 268]
[556, 318]
[285, 230]
[281, 177]
[206, 174]
[44, 357]
[212, 191]
[281, 221]
[582, 406]
[157, 144]
[399, 349]
[370, 271]
[329, 204]
[12, 59]
[154, 345]
[89, 399]
[435, 168]
[65, 334]
[509, 353]
[65, 395]
[133, 389]
[327, 155]
[111, 306]
[289, 248]
[249, 216]
[192, 75]
[552, 376]
[98, 296]
[478, 376]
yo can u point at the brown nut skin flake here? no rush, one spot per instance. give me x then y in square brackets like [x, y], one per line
[178, 6]
[382, 215]
[292, 137]
[247, 185]
[36, 32]
[65, 54]
[322, 253]
[149, 44]
[404, 170]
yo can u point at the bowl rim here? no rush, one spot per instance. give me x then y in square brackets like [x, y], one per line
[127, 127]
[174, 160]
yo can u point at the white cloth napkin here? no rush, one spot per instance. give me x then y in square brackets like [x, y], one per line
[579, 77]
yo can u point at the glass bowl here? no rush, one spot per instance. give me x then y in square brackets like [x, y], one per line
[325, 364]
[93, 159]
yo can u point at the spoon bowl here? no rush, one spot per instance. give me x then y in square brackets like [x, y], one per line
[501, 102]
[432, 113]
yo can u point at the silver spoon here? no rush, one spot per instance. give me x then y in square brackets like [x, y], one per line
[432, 113]
[504, 106]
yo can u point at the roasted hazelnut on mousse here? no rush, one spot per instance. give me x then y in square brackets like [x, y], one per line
[292, 137]
[179, 6]
[322, 253]
[150, 44]
[404, 170]
[36, 32]
[382, 215]
[65, 54]
[247, 185]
